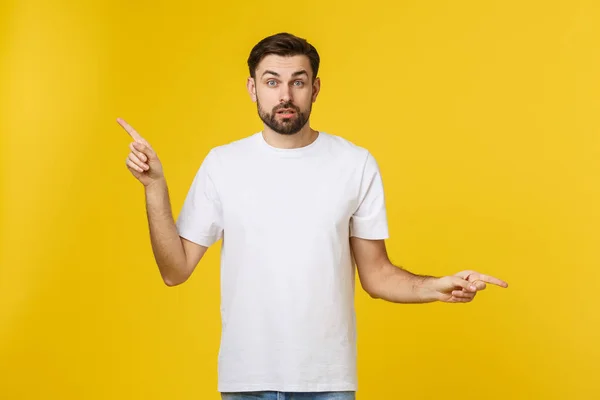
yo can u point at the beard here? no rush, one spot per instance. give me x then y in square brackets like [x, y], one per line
[284, 126]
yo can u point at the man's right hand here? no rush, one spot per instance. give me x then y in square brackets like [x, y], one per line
[142, 162]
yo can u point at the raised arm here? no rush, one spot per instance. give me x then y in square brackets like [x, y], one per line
[176, 257]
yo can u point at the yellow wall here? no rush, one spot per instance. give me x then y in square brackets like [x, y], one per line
[482, 115]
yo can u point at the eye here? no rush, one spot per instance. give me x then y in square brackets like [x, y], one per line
[271, 82]
[298, 83]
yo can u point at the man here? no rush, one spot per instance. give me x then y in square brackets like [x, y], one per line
[296, 208]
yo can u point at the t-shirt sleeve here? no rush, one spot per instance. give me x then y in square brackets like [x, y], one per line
[201, 217]
[369, 221]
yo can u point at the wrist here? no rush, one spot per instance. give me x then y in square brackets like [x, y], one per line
[424, 287]
[155, 184]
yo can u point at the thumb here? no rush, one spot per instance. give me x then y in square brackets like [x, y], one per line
[145, 148]
[466, 285]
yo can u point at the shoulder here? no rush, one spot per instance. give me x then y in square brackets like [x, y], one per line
[230, 152]
[342, 148]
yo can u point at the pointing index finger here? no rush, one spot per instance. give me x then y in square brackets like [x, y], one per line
[132, 132]
[492, 280]
[473, 276]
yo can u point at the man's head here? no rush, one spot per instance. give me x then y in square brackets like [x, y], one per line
[283, 81]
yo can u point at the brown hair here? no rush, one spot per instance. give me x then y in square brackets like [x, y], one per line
[283, 44]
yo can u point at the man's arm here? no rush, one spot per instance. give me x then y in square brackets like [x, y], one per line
[383, 280]
[175, 256]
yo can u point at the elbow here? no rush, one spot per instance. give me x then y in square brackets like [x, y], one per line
[172, 282]
[372, 291]
[373, 294]
[373, 283]
[174, 279]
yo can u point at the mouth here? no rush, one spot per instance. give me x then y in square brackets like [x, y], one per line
[286, 112]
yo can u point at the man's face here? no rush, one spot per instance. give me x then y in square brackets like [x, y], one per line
[284, 92]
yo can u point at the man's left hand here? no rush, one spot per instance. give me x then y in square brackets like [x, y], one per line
[462, 287]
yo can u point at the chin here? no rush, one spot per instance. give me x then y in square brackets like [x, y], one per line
[288, 127]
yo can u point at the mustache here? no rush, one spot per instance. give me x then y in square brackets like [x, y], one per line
[286, 105]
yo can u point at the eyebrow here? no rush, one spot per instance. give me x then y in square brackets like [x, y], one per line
[297, 73]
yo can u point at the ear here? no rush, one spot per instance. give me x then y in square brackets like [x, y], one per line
[316, 86]
[251, 88]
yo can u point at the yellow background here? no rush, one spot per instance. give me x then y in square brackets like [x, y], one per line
[483, 116]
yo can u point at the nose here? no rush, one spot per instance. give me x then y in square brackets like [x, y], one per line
[286, 94]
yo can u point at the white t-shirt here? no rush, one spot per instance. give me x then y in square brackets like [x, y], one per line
[287, 273]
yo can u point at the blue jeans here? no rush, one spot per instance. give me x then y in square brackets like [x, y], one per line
[289, 396]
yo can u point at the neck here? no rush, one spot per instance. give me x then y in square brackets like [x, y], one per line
[302, 138]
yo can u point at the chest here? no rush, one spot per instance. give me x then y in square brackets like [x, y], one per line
[290, 196]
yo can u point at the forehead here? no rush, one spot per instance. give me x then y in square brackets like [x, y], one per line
[283, 65]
